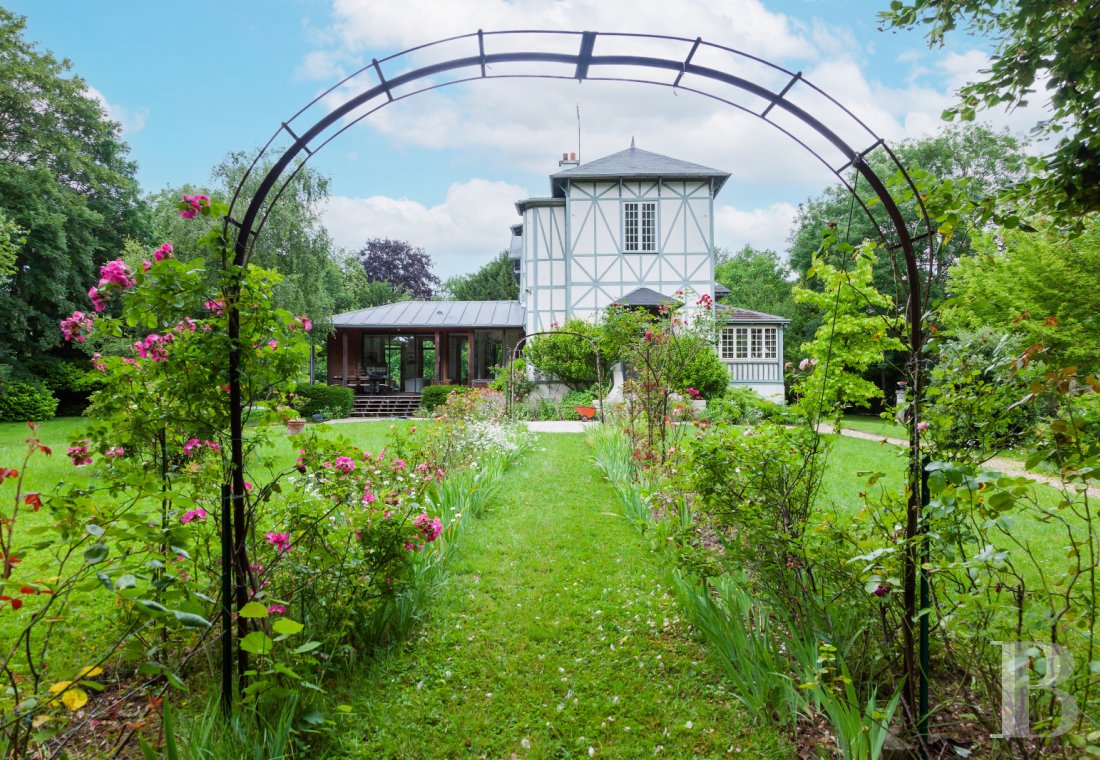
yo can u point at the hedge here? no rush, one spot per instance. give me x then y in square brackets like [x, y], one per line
[23, 402]
[333, 401]
[435, 395]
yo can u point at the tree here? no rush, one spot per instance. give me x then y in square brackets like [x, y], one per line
[357, 292]
[975, 158]
[66, 183]
[493, 282]
[854, 335]
[1035, 39]
[11, 240]
[293, 241]
[400, 264]
[1040, 287]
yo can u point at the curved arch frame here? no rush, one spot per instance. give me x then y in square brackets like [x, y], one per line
[424, 68]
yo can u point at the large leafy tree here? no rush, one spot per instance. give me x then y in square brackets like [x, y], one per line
[401, 264]
[1036, 40]
[975, 160]
[1040, 287]
[66, 183]
[493, 282]
[293, 240]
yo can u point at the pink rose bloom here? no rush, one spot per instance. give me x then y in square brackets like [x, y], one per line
[79, 454]
[98, 301]
[116, 272]
[281, 541]
[923, 425]
[398, 464]
[212, 446]
[76, 326]
[428, 527]
[191, 445]
[194, 514]
[368, 497]
[117, 451]
[273, 344]
[275, 609]
[214, 306]
[344, 464]
[162, 253]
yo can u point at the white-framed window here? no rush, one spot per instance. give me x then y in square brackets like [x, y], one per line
[749, 342]
[640, 227]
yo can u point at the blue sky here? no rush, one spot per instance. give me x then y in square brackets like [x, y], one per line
[191, 82]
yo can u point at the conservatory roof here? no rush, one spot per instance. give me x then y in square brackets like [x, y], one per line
[734, 314]
[405, 314]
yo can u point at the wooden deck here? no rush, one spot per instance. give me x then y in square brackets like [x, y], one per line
[374, 405]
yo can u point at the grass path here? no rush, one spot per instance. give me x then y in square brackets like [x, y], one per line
[554, 637]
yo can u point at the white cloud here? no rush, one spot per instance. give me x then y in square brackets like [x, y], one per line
[130, 120]
[761, 227]
[466, 230]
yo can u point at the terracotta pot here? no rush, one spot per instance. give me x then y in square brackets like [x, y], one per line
[295, 427]
[585, 412]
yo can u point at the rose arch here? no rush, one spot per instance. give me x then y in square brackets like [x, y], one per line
[785, 100]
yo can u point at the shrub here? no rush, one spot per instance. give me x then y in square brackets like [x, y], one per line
[578, 398]
[742, 406]
[72, 383]
[521, 385]
[22, 402]
[333, 401]
[434, 395]
[702, 370]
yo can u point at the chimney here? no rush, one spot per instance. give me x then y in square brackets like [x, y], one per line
[569, 159]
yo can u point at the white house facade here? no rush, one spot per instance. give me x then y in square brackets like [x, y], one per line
[629, 226]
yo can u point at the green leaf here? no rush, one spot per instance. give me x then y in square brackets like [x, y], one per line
[309, 646]
[253, 610]
[94, 530]
[95, 554]
[191, 620]
[257, 642]
[125, 581]
[287, 627]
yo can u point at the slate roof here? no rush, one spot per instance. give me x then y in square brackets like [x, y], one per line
[734, 314]
[406, 314]
[721, 290]
[635, 163]
[645, 297]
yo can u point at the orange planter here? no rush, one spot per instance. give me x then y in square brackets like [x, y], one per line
[295, 427]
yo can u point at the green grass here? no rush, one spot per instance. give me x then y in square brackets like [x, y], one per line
[556, 632]
[86, 636]
[877, 425]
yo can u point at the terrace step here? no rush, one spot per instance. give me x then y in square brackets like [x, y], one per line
[389, 405]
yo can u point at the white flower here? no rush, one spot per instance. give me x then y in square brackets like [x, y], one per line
[688, 724]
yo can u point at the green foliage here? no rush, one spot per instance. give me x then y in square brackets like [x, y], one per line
[1040, 287]
[566, 355]
[739, 405]
[23, 402]
[578, 398]
[435, 395]
[65, 183]
[12, 239]
[493, 282]
[974, 159]
[333, 401]
[701, 368]
[857, 329]
[514, 373]
[970, 399]
[1035, 40]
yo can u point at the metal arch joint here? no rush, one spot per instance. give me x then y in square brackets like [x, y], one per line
[687, 61]
[297, 139]
[782, 93]
[382, 79]
[481, 50]
[584, 57]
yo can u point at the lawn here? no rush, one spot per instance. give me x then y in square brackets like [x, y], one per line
[877, 425]
[555, 634]
[85, 635]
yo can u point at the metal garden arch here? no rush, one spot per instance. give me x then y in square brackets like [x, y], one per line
[784, 99]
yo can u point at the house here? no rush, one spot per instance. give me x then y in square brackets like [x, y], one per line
[631, 228]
